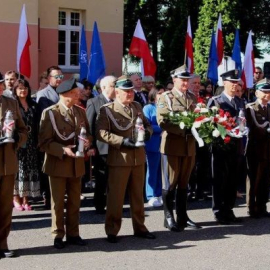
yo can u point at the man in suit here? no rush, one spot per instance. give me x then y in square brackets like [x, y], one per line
[139, 95]
[8, 167]
[11, 77]
[258, 151]
[116, 127]
[178, 151]
[46, 98]
[100, 149]
[224, 161]
[60, 127]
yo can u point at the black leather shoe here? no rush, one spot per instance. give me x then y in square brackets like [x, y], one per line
[58, 243]
[6, 253]
[232, 218]
[100, 211]
[76, 240]
[111, 238]
[222, 220]
[170, 224]
[265, 214]
[146, 235]
[192, 225]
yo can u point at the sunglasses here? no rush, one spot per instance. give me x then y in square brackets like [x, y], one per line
[61, 77]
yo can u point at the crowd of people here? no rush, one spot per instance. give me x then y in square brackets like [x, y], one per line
[50, 140]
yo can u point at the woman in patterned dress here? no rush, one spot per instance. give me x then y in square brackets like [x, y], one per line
[27, 183]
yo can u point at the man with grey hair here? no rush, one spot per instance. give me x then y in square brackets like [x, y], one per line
[100, 149]
[195, 85]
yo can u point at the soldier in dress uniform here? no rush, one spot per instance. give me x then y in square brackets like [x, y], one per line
[8, 166]
[258, 151]
[178, 151]
[126, 161]
[60, 127]
[224, 161]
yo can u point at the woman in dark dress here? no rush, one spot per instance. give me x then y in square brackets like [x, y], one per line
[27, 182]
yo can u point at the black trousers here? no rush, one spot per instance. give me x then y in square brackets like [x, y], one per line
[101, 177]
[224, 177]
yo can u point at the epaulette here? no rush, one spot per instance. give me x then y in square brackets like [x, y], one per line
[79, 107]
[168, 93]
[106, 104]
[52, 107]
[250, 104]
[215, 97]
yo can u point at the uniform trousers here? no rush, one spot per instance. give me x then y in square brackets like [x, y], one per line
[153, 180]
[122, 178]
[6, 198]
[176, 171]
[258, 183]
[224, 164]
[59, 187]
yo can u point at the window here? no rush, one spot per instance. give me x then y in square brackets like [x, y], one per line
[69, 26]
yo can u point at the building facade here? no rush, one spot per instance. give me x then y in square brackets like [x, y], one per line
[54, 28]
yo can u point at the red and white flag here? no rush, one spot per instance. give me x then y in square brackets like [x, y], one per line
[24, 42]
[189, 48]
[139, 47]
[219, 41]
[248, 67]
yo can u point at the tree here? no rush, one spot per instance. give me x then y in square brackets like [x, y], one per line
[208, 16]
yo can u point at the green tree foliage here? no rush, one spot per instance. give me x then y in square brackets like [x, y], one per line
[208, 17]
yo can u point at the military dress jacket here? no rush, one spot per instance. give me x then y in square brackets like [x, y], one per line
[113, 125]
[259, 138]
[56, 163]
[175, 141]
[8, 157]
[222, 102]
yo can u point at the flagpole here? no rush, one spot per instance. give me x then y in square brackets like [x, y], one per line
[185, 57]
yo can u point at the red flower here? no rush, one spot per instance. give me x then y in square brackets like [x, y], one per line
[200, 118]
[228, 114]
[215, 119]
[228, 127]
[237, 131]
[197, 110]
[200, 100]
[221, 113]
[227, 139]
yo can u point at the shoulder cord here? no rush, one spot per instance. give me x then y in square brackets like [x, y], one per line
[109, 114]
[255, 120]
[72, 135]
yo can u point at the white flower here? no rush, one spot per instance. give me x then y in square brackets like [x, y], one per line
[197, 124]
[204, 110]
[184, 113]
[182, 125]
[216, 133]
[214, 108]
[197, 110]
[171, 113]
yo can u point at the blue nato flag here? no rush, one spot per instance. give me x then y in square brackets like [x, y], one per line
[83, 59]
[212, 72]
[236, 54]
[97, 64]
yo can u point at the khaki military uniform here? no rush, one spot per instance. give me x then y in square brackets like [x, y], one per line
[9, 167]
[258, 158]
[64, 172]
[126, 165]
[177, 145]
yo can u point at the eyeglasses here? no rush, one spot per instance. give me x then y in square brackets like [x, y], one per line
[61, 77]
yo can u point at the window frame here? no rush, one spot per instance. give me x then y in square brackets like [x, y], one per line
[68, 28]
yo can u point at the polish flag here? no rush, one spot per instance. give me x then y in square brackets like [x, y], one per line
[219, 41]
[189, 48]
[248, 67]
[139, 47]
[24, 42]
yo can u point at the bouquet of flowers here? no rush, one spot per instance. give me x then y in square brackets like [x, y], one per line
[210, 126]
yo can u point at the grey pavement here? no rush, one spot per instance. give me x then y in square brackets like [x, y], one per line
[242, 246]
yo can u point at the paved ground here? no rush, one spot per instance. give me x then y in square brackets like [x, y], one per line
[244, 246]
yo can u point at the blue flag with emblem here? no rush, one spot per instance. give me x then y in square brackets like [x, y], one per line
[83, 59]
[97, 64]
[212, 72]
[236, 55]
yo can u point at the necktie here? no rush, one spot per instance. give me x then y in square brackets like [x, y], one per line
[127, 110]
[233, 103]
